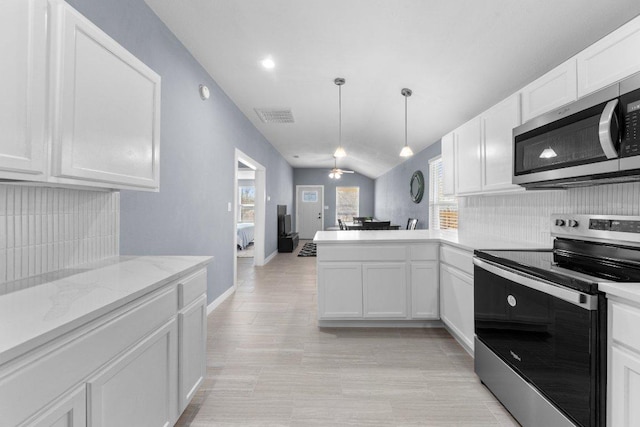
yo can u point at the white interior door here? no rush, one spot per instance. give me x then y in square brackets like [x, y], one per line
[309, 210]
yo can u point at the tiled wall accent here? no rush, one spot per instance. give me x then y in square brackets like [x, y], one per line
[48, 229]
[524, 217]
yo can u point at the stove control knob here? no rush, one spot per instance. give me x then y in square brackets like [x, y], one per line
[572, 223]
[560, 222]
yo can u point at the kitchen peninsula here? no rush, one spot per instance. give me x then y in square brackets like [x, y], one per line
[403, 278]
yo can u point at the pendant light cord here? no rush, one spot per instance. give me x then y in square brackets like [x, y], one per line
[340, 115]
[405, 120]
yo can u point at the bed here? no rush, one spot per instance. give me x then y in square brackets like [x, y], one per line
[245, 234]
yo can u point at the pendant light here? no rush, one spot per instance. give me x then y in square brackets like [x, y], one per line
[340, 150]
[406, 150]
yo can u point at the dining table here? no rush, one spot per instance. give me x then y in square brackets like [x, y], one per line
[359, 226]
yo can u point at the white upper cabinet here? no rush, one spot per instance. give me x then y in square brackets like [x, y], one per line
[76, 107]
[23, 47]
[448, 164]
[107, 107]
[610, 59]
[468, 157]
[555, 89]
[497, 144]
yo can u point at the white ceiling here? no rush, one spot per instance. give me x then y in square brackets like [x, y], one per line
[458, 56]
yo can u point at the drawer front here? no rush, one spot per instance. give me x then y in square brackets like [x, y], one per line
[46, 373]
[423, 252]
[362, 252]
[624, 322]
[458, 258]
[190, 288]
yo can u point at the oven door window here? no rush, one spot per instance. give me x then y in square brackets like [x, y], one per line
[571, 141]
[545, 339]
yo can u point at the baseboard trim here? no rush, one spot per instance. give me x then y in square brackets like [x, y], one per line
[380, 323]
[457, 335]
[216, 302]
[270, 257]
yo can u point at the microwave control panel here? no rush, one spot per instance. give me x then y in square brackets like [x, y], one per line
[630, 144]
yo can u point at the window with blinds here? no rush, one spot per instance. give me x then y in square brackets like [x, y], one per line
[443, 210]
[347, 203]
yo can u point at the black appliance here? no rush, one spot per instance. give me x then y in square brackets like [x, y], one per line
[540, 320]
[287, 239]
[593, 140]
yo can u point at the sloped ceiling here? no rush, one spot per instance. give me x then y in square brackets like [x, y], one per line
[459, 58]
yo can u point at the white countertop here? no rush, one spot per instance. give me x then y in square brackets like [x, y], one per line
[627, 291]
[58, 303]
[417, 236]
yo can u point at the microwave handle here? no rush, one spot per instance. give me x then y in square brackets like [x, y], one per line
[604, 130]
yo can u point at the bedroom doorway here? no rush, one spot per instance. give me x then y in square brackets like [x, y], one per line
[249, 211]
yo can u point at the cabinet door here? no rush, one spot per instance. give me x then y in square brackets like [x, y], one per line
[555, 89]
[107, 107]
[68, 411]
[497, 130]
[384, 287]
[448, 164]
[456, 310]
[624, 387]
[424, 290]
[23, 88]
[339, 290]
[610, 59]
[140, 387]
[192, 360]
[468, 158]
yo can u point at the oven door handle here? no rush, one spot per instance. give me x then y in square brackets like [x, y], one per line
[586, 301]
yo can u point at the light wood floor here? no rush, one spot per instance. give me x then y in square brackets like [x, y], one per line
[270, 365]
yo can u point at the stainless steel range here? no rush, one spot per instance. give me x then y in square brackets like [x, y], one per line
[540, 320]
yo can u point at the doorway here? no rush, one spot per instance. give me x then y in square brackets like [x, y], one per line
[309, 210]
[243, 212]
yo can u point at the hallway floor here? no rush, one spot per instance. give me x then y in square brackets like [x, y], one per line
[270, 365]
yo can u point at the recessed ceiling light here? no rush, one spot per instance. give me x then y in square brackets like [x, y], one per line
[268, 63]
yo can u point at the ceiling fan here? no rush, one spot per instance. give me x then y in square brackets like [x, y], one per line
[336, 172]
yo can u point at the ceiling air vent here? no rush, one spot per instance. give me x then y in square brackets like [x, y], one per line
[274, 115]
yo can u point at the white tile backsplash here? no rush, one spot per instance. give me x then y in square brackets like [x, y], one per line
[48, 229]
[524, 217]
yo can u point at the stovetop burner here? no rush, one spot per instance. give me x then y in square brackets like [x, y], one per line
[586, 250]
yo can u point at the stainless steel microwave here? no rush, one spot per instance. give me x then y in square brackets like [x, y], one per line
[594, 140]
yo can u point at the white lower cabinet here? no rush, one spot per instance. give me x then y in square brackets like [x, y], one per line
[385, 290]
[139, 388]
[192, 321]
[340, 290]
[424, 290]
[625, 387]
[385, 281]
[68, 411]
[623, 392]
[456, 294]
[137, 365]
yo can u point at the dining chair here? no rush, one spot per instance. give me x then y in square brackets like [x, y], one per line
[412, 223]
[341, 224]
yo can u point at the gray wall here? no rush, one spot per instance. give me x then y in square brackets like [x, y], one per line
[189, 215]
[320, 176]
[392, 197]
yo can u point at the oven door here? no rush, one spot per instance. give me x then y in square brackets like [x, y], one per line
[543, 332]
[579, 140]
